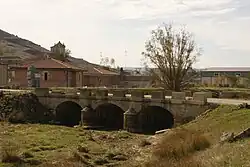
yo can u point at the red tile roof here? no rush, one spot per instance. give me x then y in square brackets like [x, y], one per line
[99, 71]
[50, 63]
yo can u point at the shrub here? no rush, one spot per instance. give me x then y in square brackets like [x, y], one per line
[181, 143]
[9, 154]
[176, 149]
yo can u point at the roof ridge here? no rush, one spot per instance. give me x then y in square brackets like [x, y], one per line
[98, 70]
[62, 63]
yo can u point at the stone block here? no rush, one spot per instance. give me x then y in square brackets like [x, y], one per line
[168, 93]
[188, 94]
[71, 91]
[177, 101]
[100, 93]
[131, 120]
[118, 93]
[200, 96]
[157, 95]
[42, 91]
[85, 93]
[137, 94]
[178, 95]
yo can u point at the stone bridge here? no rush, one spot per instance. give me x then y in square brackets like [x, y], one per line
[135, 110]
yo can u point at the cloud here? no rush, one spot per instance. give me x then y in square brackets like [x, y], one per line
[146, 9]
[111, 26]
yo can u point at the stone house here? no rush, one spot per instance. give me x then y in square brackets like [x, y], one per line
[52, 72]
[55, 73]
[58, 48]
[220, 76]
[98, 77]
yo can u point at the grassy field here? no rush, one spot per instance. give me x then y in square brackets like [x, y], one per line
[195, 144]
[47, 145]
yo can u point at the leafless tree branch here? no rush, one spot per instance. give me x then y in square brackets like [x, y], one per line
[173, 53]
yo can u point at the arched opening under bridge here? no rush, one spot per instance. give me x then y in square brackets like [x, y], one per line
[110, 116]
[154, 118]
[68, 113]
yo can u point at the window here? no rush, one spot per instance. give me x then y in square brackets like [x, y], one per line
[45, 76]
[238, 74]
[79, 76]
[216, 74]
[13, 74]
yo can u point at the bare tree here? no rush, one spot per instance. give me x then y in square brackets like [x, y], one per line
[107, 62]
[173, 53]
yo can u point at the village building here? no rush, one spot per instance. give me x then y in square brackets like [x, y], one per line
[225, 76]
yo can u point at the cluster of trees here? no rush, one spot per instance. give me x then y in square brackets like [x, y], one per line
[107, 62]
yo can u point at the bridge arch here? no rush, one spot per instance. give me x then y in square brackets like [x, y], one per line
[154, 118]
[110, 116]
[68, 113]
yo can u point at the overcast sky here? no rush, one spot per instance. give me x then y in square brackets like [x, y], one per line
[88, 27]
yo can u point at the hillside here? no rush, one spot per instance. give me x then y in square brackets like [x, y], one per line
[198, 143]
[15, 46]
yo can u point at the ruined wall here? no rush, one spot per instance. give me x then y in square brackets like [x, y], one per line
[22, 108]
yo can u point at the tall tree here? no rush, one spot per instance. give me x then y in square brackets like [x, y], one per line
[173, 53]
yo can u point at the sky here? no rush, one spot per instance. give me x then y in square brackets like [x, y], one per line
[111, 27]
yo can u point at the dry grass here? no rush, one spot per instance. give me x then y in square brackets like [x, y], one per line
[190, 148]
[10, 153]
[177, 148]
[56, 146]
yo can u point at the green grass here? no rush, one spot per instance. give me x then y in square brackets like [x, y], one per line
[44, 144]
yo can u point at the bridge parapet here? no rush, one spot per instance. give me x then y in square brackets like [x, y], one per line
[42, 91]
[155, 95]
